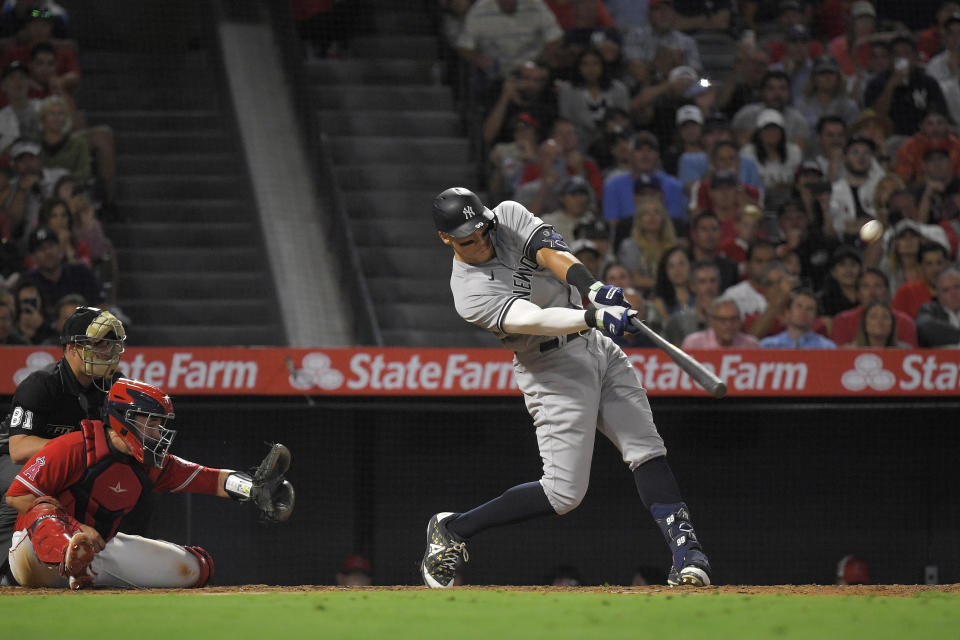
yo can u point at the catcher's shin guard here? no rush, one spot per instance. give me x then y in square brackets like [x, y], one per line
[205, 560]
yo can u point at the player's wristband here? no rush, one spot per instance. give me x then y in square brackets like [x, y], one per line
[238, 485]
[580, 277]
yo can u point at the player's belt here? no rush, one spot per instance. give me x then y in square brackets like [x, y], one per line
[550, 345]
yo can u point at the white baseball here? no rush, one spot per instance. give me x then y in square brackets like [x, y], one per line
[871, 231]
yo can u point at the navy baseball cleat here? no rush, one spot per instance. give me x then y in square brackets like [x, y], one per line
[444, 555]
[695, 570]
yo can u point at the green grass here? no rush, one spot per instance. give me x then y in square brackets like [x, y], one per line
[460, 614]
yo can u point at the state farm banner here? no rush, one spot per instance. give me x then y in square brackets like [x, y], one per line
[371, 371]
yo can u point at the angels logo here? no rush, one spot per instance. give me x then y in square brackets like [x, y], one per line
[315, 371]
[868, 371]
[31, 472]
[468, 212]
[35, 361]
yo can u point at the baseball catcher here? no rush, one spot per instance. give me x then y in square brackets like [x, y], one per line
[72, 494]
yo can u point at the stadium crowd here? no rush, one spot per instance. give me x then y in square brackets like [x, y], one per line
[731, 199]
[56, 180]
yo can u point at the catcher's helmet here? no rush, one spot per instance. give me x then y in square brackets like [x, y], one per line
[100, 337]
[139, 413]
[458, 212]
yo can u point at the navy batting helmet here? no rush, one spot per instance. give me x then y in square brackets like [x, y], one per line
[458, 212]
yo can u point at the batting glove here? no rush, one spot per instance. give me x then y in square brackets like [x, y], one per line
[606, 295]
[612, 320]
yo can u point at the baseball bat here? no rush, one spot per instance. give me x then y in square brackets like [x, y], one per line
[703, 376]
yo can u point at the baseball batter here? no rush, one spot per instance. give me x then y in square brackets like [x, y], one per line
[513, 276]
[73, 493]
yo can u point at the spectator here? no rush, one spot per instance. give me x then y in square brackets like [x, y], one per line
[931, 192]
[52, 277]
[831, 136]
[946, 65]
[776, 96]
[8, 336]
[39, 31]
[748, 294]
[775, 156]
[840, 287]
[851, 197]
[62, 149]
[642, 45]
[872, 286]
[749, 219]
[524, 90]
[871, 125]
[20, 118]
[778, 282]
[905, 93]
[744, 84]
[586, 252]
[705, 286]
[704, 245]
[794, 56]
[826, 95]
[614, 126]
[644, 159]
[689, 121]
[597, 231]
[586, 24]
[14, 17]
[717, 141]
[797, 235]
[724, 196]
[938, 323]
[509, 159]
[903, 206]
[576, 206]
[724, 331]
[878, 328]
[651, 236]
[851, 49]
[902, 263]
[791, 14]
[672, 289]
[87, 229]
[501, 35]
[930, 40]
[799, 317]
[702, 15]
[29, 185]
[934, 135]
[541, 183]
[585, 100]
[913, 295]
[879, 61]
[31, 323]
[785, 12]
[355, 572]
[675, 93]
[452, 17]
[612, 155]
[55, 214]
[64, 308]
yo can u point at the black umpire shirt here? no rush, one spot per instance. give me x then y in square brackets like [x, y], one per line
[49, 403]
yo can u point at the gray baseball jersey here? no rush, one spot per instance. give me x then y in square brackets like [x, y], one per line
[572, 386]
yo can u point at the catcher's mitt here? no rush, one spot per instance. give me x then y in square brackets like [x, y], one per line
[265, 485]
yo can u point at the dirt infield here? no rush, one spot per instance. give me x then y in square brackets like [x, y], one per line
[883, 590]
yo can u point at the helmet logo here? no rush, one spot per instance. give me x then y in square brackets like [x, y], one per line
[468, 212]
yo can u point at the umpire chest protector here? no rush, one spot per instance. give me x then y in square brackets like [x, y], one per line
[110, 486]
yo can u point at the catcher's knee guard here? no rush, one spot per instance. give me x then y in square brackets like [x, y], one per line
[50, 529]
[205, 560]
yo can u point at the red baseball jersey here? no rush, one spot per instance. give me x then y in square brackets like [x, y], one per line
[97, 485]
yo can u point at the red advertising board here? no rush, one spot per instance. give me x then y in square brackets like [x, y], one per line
[488, 372]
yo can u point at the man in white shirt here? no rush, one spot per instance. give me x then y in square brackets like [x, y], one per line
[748, 294]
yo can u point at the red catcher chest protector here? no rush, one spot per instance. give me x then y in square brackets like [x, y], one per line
[110, 487]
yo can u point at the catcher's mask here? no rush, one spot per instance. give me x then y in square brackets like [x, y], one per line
[100, 337]
[139, 413]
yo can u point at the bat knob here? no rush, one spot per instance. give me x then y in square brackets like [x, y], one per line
[720, 391]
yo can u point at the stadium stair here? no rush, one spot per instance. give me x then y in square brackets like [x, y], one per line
[191, 258]
[396, 141]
